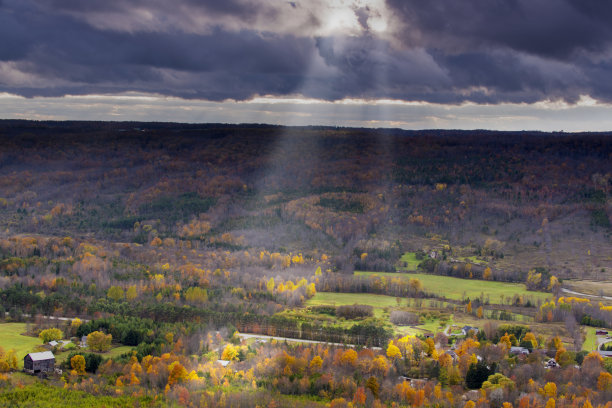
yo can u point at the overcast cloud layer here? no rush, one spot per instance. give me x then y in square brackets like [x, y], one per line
[438, 51]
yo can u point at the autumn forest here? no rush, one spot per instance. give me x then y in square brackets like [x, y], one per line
[209, 265]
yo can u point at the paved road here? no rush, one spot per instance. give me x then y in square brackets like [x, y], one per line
[572, 292]
[65, 319]
[245, 336]
[601, 340]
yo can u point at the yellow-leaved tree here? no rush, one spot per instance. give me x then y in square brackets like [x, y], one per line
[550, 389]
[78, 364]
[229, 353]
[270, 285]
[393, 352]
[98, 341]
[48, 335]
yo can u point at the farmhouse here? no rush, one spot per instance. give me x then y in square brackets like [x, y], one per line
[39, 362]
[466, 329]
[552, 363]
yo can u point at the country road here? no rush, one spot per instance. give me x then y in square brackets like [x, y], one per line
[246, 336]
[572, 292]
[64, 319]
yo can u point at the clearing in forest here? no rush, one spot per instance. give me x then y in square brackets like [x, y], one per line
[457, 288]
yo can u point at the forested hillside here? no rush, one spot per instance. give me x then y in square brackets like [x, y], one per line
[180, 241]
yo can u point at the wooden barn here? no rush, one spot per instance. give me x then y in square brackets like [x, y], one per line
[35, 363]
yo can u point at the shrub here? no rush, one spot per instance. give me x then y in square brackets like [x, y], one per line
[354, 311]
[401, 317]
[328, 310]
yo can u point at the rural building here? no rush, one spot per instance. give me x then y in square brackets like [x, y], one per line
[519, 350]
[552, 363]
[466, 329]
[224, 363]
[601, 333]
[39, 362]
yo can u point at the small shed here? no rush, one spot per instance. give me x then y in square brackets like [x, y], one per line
[224, 363]
[39, 362]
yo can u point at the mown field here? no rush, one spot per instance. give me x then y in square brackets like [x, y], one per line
[11, 338]
[410, 261]
[458, 289]
[590, 343]
[379, 303]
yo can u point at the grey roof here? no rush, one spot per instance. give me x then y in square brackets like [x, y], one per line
[224, 363]
[53, 343]
[45, 355]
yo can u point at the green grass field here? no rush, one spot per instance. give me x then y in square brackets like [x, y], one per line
[379, 303]
[411, 261]
[456, 288]
[590, 343]
[116, 352]
[11, 338]
[112, 353]
[339, 299]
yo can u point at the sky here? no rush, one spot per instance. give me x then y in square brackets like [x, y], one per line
[470, 64]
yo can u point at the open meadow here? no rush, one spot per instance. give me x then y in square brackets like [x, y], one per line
[459, 289]
[11, 337]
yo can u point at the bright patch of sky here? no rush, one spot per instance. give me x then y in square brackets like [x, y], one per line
[586, 115]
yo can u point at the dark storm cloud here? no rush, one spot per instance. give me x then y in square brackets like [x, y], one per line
[371, 68]
[549, 28]
[242, 9]
[518, 50]
[445, 51]
[74, 57]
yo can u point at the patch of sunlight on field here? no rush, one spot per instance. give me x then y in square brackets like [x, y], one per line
[456, 288]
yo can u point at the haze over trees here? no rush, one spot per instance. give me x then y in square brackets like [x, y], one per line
[432, 254]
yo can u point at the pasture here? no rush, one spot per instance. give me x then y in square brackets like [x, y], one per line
[11, 338]
[590, 342]
[409, 259]
[110, 354]
[458, 289]
[379, 303]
